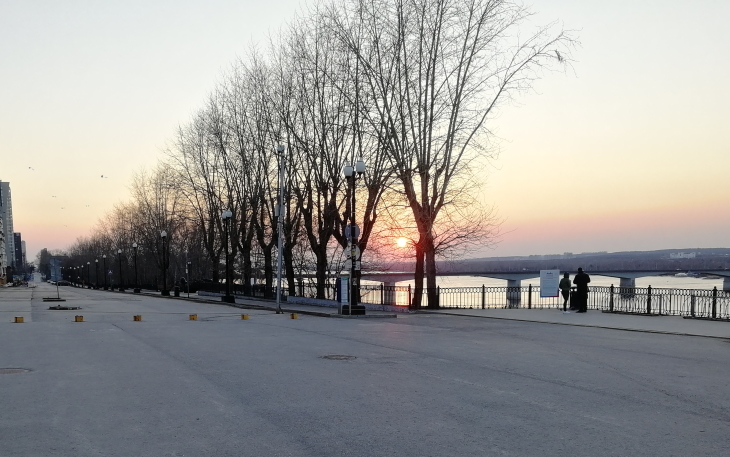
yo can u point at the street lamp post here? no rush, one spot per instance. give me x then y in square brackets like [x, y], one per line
[352, 172]
[96, 275]
[165, 292]
[88, 274]
[136, 276]
[188, 272]
[121, 278]
[228, 298]
[104, 259]
[279, 213]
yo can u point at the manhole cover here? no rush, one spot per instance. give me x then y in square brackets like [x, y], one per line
[13, 370]
[339, 357]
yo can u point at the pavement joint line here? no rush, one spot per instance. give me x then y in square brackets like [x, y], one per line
[257, 307]
[661, 332]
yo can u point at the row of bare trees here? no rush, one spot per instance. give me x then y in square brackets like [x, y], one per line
[409, 86]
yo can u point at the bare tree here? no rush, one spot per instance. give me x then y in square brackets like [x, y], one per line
[437, 70]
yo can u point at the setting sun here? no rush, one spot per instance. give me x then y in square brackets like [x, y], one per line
[402, 242]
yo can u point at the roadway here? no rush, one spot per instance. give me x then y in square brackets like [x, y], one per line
[419, 385]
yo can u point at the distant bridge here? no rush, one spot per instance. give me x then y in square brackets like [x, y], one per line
[627, 278]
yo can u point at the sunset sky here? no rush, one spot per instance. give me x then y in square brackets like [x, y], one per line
[627, 150]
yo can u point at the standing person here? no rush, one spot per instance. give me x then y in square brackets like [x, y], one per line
[581, 281]
[565, 291]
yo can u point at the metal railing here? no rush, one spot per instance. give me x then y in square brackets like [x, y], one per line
[700, 303]
[703, 303]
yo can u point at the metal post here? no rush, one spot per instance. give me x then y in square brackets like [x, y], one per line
[280, 226]
[484, 296]
[648, 300]
[382, 293]
[410, 303]
[353, 248]
[226, 216]
[228, 259]
[714, 302]
[188, 269]
[692, 305]
[121, 278]
[529, 296]
[105, 286]
[136, 274]
[165, 292]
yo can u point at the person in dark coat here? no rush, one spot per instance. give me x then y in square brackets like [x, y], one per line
[581, 281]
[565, 290]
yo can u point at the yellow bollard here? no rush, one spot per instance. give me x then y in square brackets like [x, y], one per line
[294, 316]
[19, 319]
[137, 317]
[244, 317]
[79, 318]
[193, 317]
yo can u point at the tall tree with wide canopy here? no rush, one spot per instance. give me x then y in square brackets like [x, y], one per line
[437, 70]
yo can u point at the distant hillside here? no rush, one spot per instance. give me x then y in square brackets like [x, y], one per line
[665, 259]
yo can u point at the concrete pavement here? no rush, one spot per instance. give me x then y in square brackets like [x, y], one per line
[418, 385]
[672, 325]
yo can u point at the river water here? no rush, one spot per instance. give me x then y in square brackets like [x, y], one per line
[668, 282]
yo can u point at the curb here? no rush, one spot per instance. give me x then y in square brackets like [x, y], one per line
[266, 308]
[661, 332]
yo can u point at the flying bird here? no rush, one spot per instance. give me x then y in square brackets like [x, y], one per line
[53, 196]
[105, 177]
[31, 168]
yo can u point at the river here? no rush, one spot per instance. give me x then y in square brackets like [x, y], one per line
[668, 282]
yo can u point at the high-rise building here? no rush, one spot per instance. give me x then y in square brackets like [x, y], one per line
[3, 262]
[24, 253]
[18, 254]
[6, 215]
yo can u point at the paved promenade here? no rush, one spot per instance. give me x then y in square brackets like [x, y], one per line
[426, 384]
[652, 324]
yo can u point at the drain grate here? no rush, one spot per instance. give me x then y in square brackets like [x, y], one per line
[339, 357]
[13, 370]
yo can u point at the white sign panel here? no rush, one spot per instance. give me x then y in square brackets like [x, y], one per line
[549, 283]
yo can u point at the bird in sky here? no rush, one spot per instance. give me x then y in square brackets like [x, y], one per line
[105, 177]
[31, 168]
[53, 196]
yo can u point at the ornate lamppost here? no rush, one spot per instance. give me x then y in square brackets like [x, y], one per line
[121, 278]
[136, 276]
[352, 231]
[96, 276]
[104, 259]
[88, 274]
[228, 298]
[188, 272]
[163, 235]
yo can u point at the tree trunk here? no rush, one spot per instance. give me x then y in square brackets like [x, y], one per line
[430, 264]
[268, 270]
[418, 276]
[289, 269]
[247, 270]
[321, 254]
